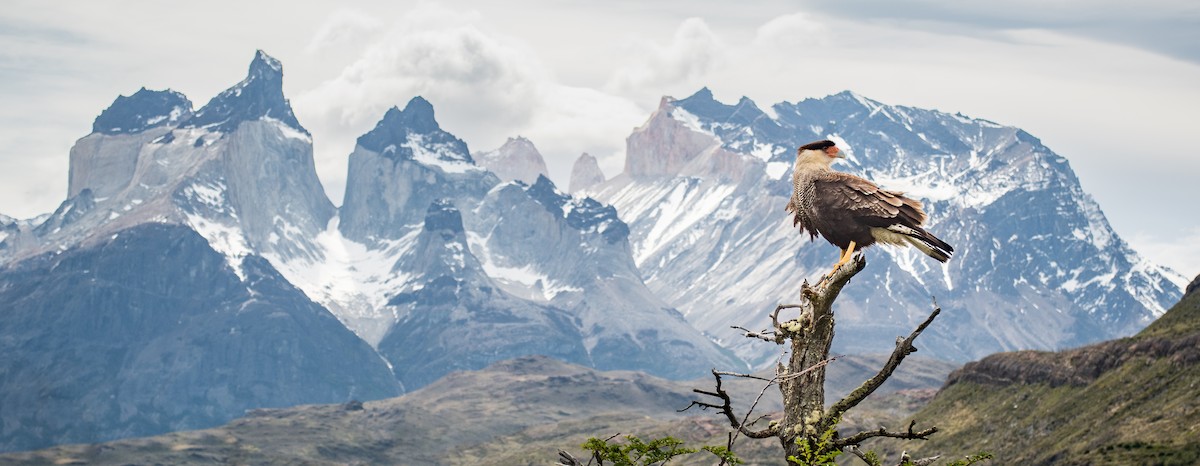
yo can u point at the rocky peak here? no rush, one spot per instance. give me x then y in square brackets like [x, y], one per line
[676, 142]
[742, 127]
[143, 110]
[584, 214]
[517, 159]
[412, 133]
[441, 250]
[666, 143]
[745, 112]
[585, 173]
[68, 213]
[258, 96]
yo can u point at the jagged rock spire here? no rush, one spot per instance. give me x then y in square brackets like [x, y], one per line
[258, 96]
[518, 159]
[585, 173]
[400, 131]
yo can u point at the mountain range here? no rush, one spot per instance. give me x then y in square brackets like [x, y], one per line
[197, 268]
[1036, 264]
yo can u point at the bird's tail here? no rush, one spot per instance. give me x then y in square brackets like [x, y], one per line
[929, 244]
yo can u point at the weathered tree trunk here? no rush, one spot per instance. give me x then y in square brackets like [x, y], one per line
[811, 336]
[802, 381]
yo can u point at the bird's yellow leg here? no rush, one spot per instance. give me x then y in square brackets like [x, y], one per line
[845, 257]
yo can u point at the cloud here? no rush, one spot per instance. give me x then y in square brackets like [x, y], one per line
[574, 120]
[683, 65]
[792, 31]
[344, 30]
[484, 89]
[1168, 27]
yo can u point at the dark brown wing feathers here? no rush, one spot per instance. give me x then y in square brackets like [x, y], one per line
[864, 199]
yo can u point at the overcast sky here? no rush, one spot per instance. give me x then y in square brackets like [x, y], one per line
[1112, 86]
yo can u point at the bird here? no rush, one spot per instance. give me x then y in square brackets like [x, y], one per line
[851, 212]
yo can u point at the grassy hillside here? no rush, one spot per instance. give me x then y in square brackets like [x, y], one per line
[1129, 401]
[515, 412]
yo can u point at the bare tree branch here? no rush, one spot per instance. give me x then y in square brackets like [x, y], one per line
[567, 459]
[904, 347]
[910, 434]
[906, 460]
[859, 453]
[726, 408]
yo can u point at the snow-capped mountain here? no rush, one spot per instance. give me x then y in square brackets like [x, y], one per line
[143, 303]
[1036, 264]
[197, 270]
[517, 159]
[551, 263]
[239, 171]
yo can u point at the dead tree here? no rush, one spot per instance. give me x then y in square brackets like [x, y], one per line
[807, 425]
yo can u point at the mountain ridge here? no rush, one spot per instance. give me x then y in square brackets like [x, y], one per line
[1036, 266]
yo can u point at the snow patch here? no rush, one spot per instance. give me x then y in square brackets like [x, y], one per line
[441, 156]
[287, 131]
[527, 278]
[225, 239]
[352, 280]
[690, 121]
[687, 204]
[776, 170]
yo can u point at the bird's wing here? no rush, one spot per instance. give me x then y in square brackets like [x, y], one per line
[864, 199]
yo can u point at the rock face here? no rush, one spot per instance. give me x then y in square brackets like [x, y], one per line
[153, 331]
[240, 171]
[517, 159]
[1036, 265]
[399, 168]
[573, 254]
[585, 173]
[432, 261]
[457, 318]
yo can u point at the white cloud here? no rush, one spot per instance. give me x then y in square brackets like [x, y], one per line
[683, 65]
[574, 120]
[483, 88]
[345, 29]
[792, 31]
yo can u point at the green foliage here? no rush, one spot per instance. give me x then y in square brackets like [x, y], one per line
[636, 452]
[819, 451]
[972, 459]
[872, 458]
[725, 454]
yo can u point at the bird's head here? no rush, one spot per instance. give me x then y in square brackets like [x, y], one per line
[822, 153]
